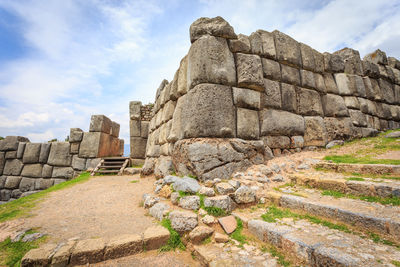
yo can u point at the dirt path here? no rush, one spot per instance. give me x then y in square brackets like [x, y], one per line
[105, 206]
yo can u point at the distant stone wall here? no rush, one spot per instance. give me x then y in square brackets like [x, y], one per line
[140, 116]
[26, 167]
[264, 88]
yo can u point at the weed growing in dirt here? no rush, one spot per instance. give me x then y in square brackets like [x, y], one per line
[135, 181]
[207, 240]
[237, 234]
[281, 259]
[396, 263]
[174, 240]
[360, 160]
[395, 201]
[355, 179]
[22, 206]
[215, 211]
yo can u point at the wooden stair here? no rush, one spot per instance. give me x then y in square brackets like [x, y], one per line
[111, 165]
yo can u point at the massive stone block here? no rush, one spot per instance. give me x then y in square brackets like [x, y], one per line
[95, 145]
[246, 98]
[334, 106]
[27, 184]
[47, 171]
[287, 49]
[320, 83]
[370, 69]
[330, 84]
[271, 69]
[358, 83]
[210, 61]
[372, 89]
[59, 154]
[268, 44]
[11, 154]
[74, 148]
[134, 126]
[352, 61]
[290, 75]
[277, 141]
[289, 98]
[378, 57]
[315, 132]
[249, 71]
[345, 87]
[319, 61]
[208, 112]
[144, 129]
[168, 111]
[255, 43]
[307, 57]
[2, 162]
[32, 152]
[13, 167]
[307, 79]
[387, 91]
[351, 102]
[134, 106]
[176, 132]
[309, 102]
[78, 163]
[241, 44]
[276, 122]
[32, 170]
[211, 26]
[11, 142]
[12, 182]
[272, 97]
[358, 118]
[75, 135]
[44, 152]
[63, 172]
[138, 147]
[115, 129]
[248, 124]
[182, 83]
[20, 150]
[333, 63]
[100, 123]
[339, 128]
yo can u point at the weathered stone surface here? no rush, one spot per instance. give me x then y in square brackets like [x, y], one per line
[307, 79]
[59, 154]
[309, 103]
[228, 223]
[121, 246]
[338, 128]
[168, 111]
[190, 202]
[186, 184]
[287, 49]
[271, 69]
[39, 256]
[11, 142]
[134, 106]
[222, 202]
[183, 221]
[63, 172]
[244, 195]
[277, 141]
[149, 200]
[41, 184]
[44, 152]
[272, 97]
[138, 147]
[13, 167]
[158, 210]
[10, 155]
[297, 141]
[246, 98]
[32, 170]
[352, 61]
[387, 91]
[333, 63]
[289, 97]
[315, 132]
[5, 194]
[115, 129]
[12, 182]
[249, 71]
[255, 43]
[330, 84]
[290, 75]
[209, 111]
[200, 233]
[207, 191]
[268, 44]
[155, 237]
[378, 57]
[27, 184]
[78, 163]
[351, 102]
[2, 162]
[224, 188]
[344, 85]
[47, 171]
[211, 26]
[358, 83]
[370, 69]
[334, 106]
[203, 66]
[20, 150]
[134, 128]
[31, 153]
[276, 122]
[393, 62]
[307, 57]
[75, 135]
[88, 251]
[248, 124]
[241, 44]
[358, 118]
[221, 238]
[144, 129]
[74, 148]
[319, 61]
[163, 166]
[100, 123]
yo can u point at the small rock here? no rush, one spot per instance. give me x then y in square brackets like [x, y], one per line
[32, 237]
[200, 233]
[222, 202]
[334, 143]
[238, 175]
[221, 238]
[208, 219]
[159, 210]
[303, 166]
[190, 202]
[150, 201]
[187, 184]
[255, 188]
[202, 212]
[174, 198]
[263, 180]
[132, 171]
[278, 178]
[207, 191]
[248, 248]
[158, 188]
[170, 179]
[262, 200]
[224, 188]
[244, 194]
[275, 168]
[159, 182]
[287, 191]
[393, 135]
[209, 183]
[183, 221]
[235, 184]
[165, 191]
[19, 235]
[228, 223]
[265, 170]
[217, 180]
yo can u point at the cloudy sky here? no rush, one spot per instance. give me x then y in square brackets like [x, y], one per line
[63, 60]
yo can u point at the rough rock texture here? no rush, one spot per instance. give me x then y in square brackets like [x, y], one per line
[222, 202]
[190, 202]
[183, 221]
[31, 153]
[211, 26]
[249, 71]
[200, 233]
[159, 210]
[186, 184]
[59, 154]
[244, 194]
[276, 122]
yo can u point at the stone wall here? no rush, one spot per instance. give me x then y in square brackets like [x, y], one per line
[238, 100]
[26, 167]
[140, 116]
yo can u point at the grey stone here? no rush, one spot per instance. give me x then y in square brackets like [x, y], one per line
[224, 188]
[190, 202]
[168, 111]
[278, 178]
[309, 103]
[2, 162]
[344, 85]
[223, 202]
[272, 96]
[144, 129]
[235, 184]
[170, 179]
[334, 143]
[47, 171]
[138, 147]
[75, 135]
[297, 141]
[16, 193]
[352, 61]
[287, 49]
[290, 75]
[202, 66]
[268, 44]
[115, 129]
[244, 195]
[2, 181]
[63, 172]
[211, 26]
[74, 148]
[59, 154]
[315, 132]
[134, 106]
[32, 170]
[148, 166]
[330, 84]
[186, 184]
[175, 198]
[334, 106]
[303, 166]
[163, 167]
[319, 61]
[247, 124]
[338, 128]
[307, 79]
[370, 69]
[209, 111]
[277, 141]
[31, 153]
[11, 142]
[42, 184]
[12, 182]
[59, 180]
[100, 123]
[20, 150]
[255, 43]
[372, 89]
[276, 122]
[27, 184]
[271, 69]
[307, 57]
[249, 71]
[387, 91]
[333, 63]
[241, 44]
[358, 118]
[159, 210]
[207, 191]
[10, 155]
[32, 237]
[289, 97]
[320, 83]
[149, 200]
[246, 98]
[13, 167]
[358, 84]
[183, 221]
[135, 128]
[78, 163]
[351, 102]
[378, 57]
[5, 194]
[393, 62]
[44, 152]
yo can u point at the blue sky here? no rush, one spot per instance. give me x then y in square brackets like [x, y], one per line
[61, 61]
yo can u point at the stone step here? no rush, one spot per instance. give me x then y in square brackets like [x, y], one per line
[369, 216]
[110, 167]
[360, 168]
[368, 187]
[107, 171]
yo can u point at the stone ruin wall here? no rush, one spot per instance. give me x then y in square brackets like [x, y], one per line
[26, 167]
[238, 100]
[139, 120]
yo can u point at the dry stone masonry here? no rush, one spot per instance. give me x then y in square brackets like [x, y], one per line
[239, 100]
[26, 167]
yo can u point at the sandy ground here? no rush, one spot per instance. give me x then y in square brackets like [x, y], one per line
[104, 206]
[395, 154]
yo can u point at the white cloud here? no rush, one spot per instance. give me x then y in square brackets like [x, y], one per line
[42, 137]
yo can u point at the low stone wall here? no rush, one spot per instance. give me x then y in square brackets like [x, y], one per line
[26, 167]
[140, 116]
[268, 87]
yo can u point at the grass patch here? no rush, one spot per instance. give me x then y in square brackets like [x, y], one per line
[360, 160]
[135, 181]
[332, 193]
[237, 234]
[174, 240]
[355, 179]
[281, 259]
[207, 240]
[24, 205]
[396, 263]
[215, 211]
[11, 253]
[395, 201]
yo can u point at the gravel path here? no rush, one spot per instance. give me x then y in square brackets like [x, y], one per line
[104, 206]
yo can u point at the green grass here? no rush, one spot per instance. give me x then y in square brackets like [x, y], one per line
[207, 240]
[395, 201]
[11, 253]
[215, 211]
[281, 259]
[396, 263]
[360, 160]
[137, 166]
[174, 240]
[24, 205]
[237, 234]
[135, 181]
[355, 179]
